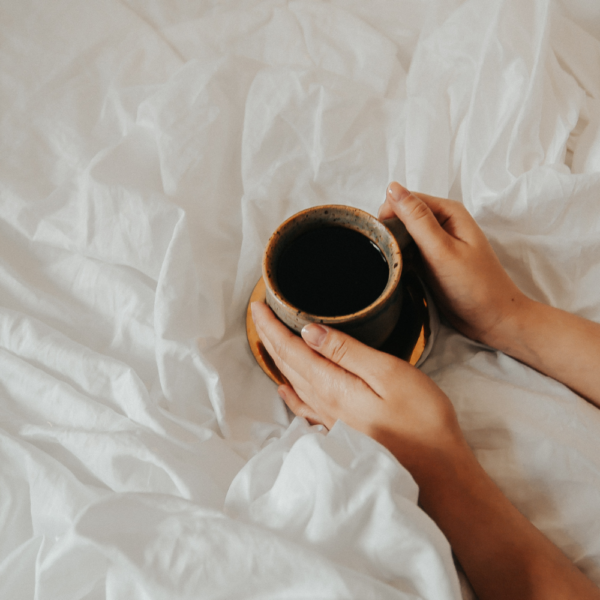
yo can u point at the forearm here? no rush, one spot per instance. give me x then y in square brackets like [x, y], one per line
[556, 343]
[503, 554]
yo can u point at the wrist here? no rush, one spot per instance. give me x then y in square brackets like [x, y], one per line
[438, 475]
[436, 469]
[505, 335]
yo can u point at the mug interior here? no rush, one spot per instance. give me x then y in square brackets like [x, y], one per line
[328, 216]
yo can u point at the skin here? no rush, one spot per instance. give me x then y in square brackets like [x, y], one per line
[479, 299]
[333, 377]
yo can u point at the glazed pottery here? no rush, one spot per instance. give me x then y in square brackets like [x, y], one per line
[373, 324]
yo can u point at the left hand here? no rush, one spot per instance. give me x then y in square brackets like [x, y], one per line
[333, 376]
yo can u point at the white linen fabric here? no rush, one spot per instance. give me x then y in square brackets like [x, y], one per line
[147, 151]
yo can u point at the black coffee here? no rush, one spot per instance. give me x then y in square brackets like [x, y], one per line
[332, 271]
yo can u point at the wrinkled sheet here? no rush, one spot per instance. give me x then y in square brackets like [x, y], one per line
[147, 151]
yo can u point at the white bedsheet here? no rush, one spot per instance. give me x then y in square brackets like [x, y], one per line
[147, 151]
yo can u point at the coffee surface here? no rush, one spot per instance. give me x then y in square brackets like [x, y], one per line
[332, 271]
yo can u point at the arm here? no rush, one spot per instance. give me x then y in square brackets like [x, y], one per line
[334, 377]
[480, 300]
[502, 553]
[557, 343]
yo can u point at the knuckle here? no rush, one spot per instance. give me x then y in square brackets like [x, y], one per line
[282, 350]
[338, 349]
[447, 247]
[418, 210]
[301, 411]
[458, 206]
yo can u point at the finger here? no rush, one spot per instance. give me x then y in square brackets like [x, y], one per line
[442, 208]
[285, 348]
[452, 216]
[314, 378]
[300, 408]
[418, 217]
[369, 365]
[385, 210]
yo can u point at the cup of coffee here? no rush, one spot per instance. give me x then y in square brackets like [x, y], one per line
[338, 266]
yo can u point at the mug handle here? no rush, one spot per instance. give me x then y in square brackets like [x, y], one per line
[396, 226]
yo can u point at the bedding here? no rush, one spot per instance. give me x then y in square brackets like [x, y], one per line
[147, 151]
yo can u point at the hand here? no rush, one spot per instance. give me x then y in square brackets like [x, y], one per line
[333, 376]
[472, 289]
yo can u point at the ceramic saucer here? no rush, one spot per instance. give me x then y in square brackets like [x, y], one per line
[411, 339]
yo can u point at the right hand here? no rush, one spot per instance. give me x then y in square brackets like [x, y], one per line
[471, 287]
[334, 376]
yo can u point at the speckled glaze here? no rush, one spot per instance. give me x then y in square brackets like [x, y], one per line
[371, 325]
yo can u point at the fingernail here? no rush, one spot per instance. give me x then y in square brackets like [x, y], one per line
[252, 307]
[314, 335]
[281, 392]
[397, 192]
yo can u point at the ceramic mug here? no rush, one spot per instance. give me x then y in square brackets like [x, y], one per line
[372, 324]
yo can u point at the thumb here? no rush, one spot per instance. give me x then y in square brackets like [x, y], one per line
[347, 352]
[418, 218]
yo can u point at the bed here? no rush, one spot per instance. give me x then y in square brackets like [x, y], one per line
[147, 151]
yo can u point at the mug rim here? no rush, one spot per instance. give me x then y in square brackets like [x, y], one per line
[311, 215]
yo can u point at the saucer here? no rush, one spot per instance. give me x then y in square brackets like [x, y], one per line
[410, 340]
